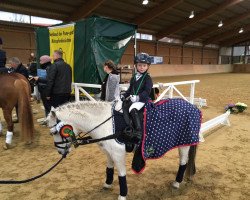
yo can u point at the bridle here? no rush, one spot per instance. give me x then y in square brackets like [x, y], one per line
[66, 133]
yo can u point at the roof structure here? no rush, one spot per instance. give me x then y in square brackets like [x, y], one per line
[161, 18]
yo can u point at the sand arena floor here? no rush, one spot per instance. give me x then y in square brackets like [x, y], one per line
[223, 161]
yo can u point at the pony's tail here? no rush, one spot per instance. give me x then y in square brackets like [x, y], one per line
[191, 170]
[24, 111]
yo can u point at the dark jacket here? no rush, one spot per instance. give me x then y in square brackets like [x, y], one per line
[59, 78]
[141, 87]
[33, 69]
[42, 81]
[22, 70]
[2, 58]
[104, 85]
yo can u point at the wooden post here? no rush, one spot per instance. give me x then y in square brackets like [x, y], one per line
[232, 55]
[182, 48]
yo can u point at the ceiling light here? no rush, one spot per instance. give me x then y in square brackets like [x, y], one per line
[241, 30]
[145, 2]
[220, 24]
[191, 15]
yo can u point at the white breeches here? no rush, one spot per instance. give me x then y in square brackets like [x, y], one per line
[136, 105]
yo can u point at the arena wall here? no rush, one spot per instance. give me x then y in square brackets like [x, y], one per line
[18, 41]
[241, 68]
[178, 70]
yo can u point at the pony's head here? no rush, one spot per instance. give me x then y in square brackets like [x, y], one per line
[61, 133]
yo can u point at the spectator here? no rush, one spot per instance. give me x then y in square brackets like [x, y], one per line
[2, 55]
[110, 85]
[32, 65]
[18, 67]
[157, 93]
[59, 79]
[41, 79]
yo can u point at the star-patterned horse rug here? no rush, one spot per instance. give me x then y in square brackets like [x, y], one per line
[168, 124]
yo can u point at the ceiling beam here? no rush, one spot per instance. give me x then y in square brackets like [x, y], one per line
[200, 16]
[214, 28]
[226, 34]
[235, 40]
[155, 11]
[17, 8]
[85, 10]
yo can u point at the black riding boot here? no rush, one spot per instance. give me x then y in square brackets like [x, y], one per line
[137, 134]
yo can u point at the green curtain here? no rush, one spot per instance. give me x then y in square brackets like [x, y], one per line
[97, 39]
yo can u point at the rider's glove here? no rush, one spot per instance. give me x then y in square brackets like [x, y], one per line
[134, 98]
[122, 98]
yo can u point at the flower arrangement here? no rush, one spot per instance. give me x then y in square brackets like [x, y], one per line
[241, 107]
[236, 108]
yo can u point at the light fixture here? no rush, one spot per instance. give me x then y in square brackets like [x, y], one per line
[191, 15]
[241, 30]
[220, 24]
[145, 2]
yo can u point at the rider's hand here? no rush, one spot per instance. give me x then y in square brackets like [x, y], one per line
[36, 78]
[134, 98]
[48, 98]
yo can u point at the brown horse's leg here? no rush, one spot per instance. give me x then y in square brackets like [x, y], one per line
[8, 119]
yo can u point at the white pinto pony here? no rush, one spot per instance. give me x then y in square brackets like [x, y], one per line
[83, 117]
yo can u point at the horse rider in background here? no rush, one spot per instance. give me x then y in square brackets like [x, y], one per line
[2, 55]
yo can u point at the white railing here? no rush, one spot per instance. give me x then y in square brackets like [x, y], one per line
[78, 87]
[220, 120]
[171, 87]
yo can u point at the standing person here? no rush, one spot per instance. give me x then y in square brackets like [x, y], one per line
[138, 92]
[2, 55]
[110, 86]
[18, 67]
[41, 79]
[32, 65]
[59, 80]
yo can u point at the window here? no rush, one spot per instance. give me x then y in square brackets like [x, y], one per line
[20, 18]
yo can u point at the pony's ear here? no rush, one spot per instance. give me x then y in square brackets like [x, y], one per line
[53, 111]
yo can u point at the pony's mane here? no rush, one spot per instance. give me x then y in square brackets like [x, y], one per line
[82, 105]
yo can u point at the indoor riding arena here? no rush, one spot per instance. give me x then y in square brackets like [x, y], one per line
[199, 52]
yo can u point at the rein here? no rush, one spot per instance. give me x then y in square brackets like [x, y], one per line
[35, 177]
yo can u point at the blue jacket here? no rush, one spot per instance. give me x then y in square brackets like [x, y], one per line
[141, 87]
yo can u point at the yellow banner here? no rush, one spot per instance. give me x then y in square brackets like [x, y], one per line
[62, 38]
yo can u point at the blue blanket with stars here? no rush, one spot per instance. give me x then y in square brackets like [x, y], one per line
[169, 124]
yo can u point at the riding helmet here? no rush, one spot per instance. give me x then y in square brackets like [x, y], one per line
[142, 58]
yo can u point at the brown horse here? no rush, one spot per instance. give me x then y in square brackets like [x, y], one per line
[15, 90]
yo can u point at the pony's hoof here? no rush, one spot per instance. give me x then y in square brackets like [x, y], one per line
[107, 186]
[7, 146]
[121, 197]
[175, 185]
